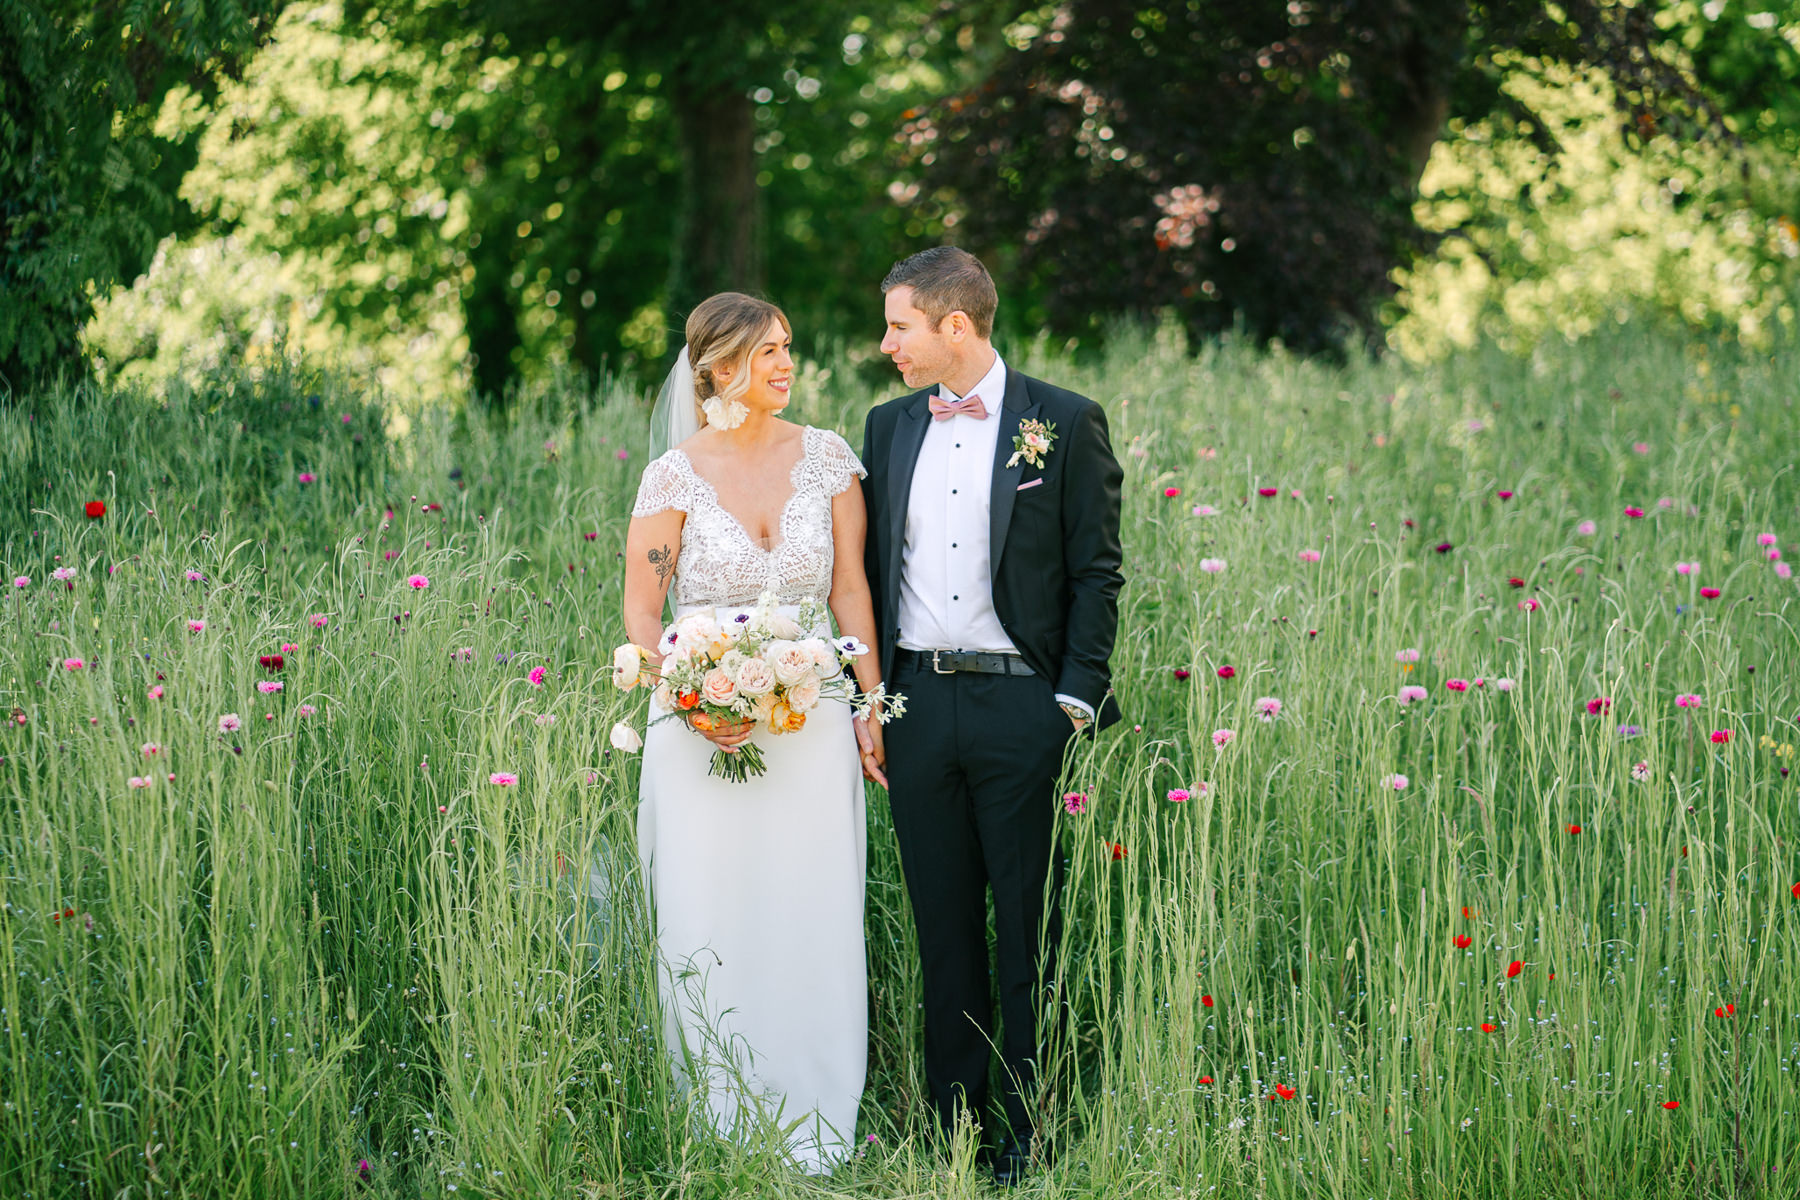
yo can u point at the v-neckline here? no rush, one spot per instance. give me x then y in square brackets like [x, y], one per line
[781, 516]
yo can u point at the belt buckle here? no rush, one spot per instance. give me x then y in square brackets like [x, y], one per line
[935, 669]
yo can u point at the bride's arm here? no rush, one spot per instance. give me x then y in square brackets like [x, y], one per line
[651, 546]
[854, 607]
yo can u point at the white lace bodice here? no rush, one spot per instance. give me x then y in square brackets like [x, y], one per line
[719, 564]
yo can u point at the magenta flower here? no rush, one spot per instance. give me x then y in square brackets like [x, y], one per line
[64, 574]
[155, 692]
[1773, 554]
[1205, 510]
[1504, 495]
[1599, 705]
[536, 675]
[194, 576]
[195, 625]
[289, 647]
[1406, 656]
[306, 710]
[1504, 685]
[1766, 539]
[1075, 803]
[138, 781]
[505, 778]
[1687, 700]
[307, 477]
[268, 687]
[1783, 571]
[1587, 529]
[1396, 781]
[1170, 493]
[151, 749]
[418, 582]
[319, 620]
[1709, 593]
[73, 664]
[1222, 737]
[229, 723]
[1267, 707]
[1411, 692]
[1530, 604]
[623, 455]
[1178, 795]
[1686, 568]
[1212, 566]
[1721, 737]
[1640, 447]
[1310, 556]
[1631, 510]
[21, 581]
[1457, 685]
[1444, 547]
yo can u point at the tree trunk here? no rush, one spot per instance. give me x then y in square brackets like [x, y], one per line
[718, 243]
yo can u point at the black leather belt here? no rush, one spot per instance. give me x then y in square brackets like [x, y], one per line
[948, 662]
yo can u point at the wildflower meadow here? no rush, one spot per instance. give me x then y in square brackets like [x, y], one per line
[1447, 848]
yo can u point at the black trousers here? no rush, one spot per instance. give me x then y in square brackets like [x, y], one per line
[972, 770]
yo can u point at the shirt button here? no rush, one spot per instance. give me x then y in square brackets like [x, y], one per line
[953, 491]
[956, 597]
[953, 545]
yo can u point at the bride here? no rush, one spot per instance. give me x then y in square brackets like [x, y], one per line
[757, 886]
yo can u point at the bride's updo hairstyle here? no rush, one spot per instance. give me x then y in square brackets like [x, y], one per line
[721, 332]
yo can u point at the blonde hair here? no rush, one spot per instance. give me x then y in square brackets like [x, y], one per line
[722, 331]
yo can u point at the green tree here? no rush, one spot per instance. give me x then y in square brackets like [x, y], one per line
[86, 188]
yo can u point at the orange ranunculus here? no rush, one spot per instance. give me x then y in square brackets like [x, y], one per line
[702, 722]
[688, 699]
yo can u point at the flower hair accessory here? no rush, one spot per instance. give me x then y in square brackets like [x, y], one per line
[722, 415]
[1033, 441]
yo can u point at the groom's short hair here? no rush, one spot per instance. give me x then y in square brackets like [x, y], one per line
[944, 280]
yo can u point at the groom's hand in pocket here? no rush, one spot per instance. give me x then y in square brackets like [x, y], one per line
[874, 753]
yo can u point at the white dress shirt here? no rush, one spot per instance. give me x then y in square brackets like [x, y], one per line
[946, 591]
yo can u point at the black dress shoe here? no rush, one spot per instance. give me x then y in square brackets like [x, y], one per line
[1012, 1162]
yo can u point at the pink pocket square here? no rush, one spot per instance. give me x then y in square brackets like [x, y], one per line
[1031, 483]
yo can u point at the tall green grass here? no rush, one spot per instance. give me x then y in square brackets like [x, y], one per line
[330, 940]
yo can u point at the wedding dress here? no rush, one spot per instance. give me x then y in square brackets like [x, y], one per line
[757, 887]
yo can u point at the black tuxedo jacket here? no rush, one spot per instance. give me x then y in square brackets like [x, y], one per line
[1053, 533]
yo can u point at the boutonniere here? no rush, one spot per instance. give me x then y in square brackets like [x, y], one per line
[1032, 443]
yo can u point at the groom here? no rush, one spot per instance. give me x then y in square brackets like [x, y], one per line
[993, 554]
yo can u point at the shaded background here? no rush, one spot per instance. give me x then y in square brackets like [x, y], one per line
[464, 196]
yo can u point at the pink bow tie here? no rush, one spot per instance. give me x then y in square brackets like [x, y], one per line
[968, 406]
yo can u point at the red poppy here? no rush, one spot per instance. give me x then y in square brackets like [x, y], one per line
[1181, 674]
[1796, 891]
[1284, 1091]
[1516, 581]
[1671, 1105]
[1206, 1001]
[1118, 850]
[1226, 672]
[95, 509]
[1729, 1010]
[1574, 829]
[1466, 913]
[1462, 941]
[1268, 491]
[1488, 1028]
[1513, 968]
[1206, 1079]
[271, 662]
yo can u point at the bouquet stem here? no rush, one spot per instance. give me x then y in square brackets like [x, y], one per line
[746, 763]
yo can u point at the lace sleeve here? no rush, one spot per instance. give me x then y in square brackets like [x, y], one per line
[664, 486]
[838, 465]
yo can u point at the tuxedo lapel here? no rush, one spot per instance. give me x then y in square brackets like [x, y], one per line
[1018, 408]
[903, 458]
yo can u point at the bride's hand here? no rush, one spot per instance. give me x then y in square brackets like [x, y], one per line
[873, 752]
[726, 735]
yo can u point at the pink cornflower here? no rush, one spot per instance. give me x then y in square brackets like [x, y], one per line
[1396, 781]
[1222, 737]
[1686, 568]
[1773, 554]
[319, 620]
[21, 581]
[1504, 685]
[1411, 692]
[1687, 700]
[194, 576]
[1309, 556]
[1640, 772]
[418, 582]
[1640, 447]
[1709, 593]
[1267, 707]
[155, 692]
[289, 647]
[229, 723]
[151, 749]
[137, 781]
[1178, 795]
[307, 477]
[306, 710]
[1457, 685]
[1766, 539]
[1205, 510]
[64, 574]
[1212, 566]
[1783, 571]
[1075, 803]
[1406, 656]
[268, 687]
[1599, 705]
[507, 778]
[1631, 510]
[1587, 529]
[1530, 604]
[623, 455]
[195, 625]
[1665, 502]
[536, 675]
[73, 664]
[1169, 493]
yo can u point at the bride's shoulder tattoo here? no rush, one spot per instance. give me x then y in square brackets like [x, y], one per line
[664, 562]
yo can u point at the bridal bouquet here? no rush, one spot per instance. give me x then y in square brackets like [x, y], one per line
[753, 667]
